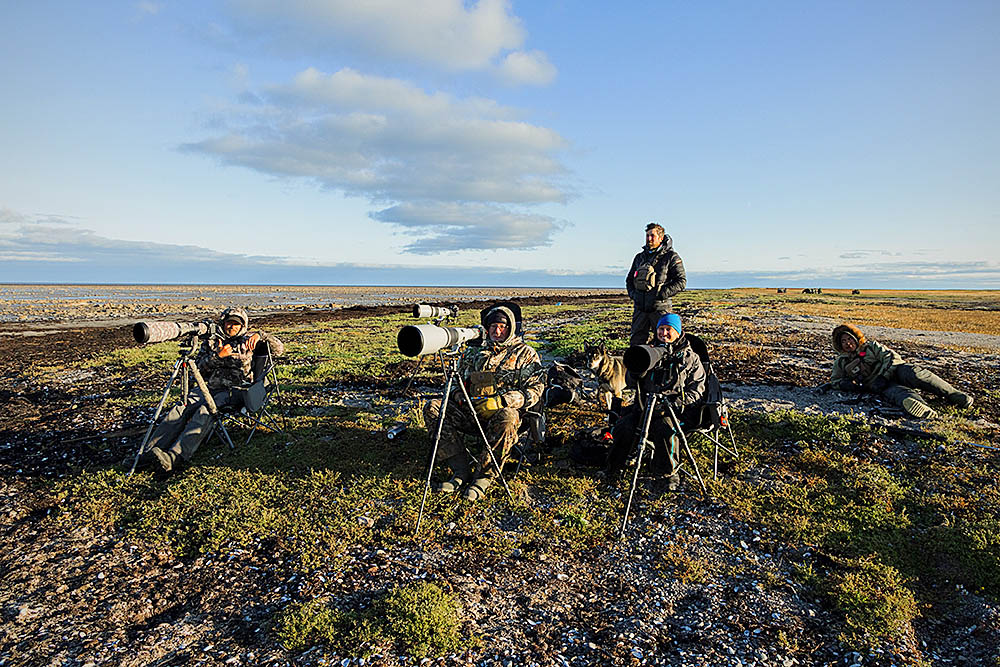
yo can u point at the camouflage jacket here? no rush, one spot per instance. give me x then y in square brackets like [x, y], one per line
[681, 375]
[869, 361]
[670, 278]
[514, 368]
[227, 362]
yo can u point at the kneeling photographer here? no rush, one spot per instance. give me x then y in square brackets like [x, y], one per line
[224, 359]
[504, 377]
[674, 371]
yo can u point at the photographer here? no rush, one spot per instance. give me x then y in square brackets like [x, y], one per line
[504, 377]
[866, 365]
[225, 361]
[678, 378]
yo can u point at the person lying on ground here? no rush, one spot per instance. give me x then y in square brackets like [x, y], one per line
[866, 365]
[225, 361]
[504, 377]
[680, 379]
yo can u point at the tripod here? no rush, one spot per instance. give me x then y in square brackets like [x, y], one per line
[643, 437]
[186, 367]
[452, 374]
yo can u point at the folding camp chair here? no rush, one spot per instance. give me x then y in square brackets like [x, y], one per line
[714, 416]
[257, 404]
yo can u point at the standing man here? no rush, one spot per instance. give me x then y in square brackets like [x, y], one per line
[657, 274]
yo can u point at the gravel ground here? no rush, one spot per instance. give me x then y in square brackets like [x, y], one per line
[76, 597]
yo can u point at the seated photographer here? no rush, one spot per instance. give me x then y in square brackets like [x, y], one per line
[679, 378]
[225, 361]
[504, 377]
[865, 365]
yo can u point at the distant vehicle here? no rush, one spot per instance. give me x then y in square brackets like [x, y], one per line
[855, 291]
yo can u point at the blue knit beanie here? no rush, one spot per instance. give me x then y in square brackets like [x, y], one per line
[672, 320]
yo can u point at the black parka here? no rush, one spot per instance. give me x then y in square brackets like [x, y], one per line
[670, 277]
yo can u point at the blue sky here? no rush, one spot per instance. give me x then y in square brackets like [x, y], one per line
[504, 143]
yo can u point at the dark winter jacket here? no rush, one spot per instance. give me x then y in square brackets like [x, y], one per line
[670, 278]
[680, 375]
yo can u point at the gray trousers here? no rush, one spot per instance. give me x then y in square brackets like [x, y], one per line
[906, 381]
[644, 326]
[187, 425]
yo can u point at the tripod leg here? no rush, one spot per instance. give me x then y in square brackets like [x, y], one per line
[413, 376]
[213, 409]
[687, 448]
[156, 415]
[434, 450]
[482, 433]
[647, 420]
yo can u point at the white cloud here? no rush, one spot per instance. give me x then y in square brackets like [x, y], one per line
[521, 67]
[147, 7]
[390, 141]
[451, 34]
[457, 226]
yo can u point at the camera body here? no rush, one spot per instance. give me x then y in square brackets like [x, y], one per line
[157, 332]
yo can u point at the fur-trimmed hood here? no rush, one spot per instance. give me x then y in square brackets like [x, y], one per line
[236, 314]
[511, 326]
[847, 328]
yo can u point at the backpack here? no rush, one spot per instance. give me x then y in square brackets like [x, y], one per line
[645, 277]
[591, 447]
[563, 385]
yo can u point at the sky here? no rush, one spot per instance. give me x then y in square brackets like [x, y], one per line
[440, 142]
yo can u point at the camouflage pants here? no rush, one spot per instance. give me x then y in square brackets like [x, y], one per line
[666, 443]
[500, 428]
[907, 379]
[644, 326]
[187, 425]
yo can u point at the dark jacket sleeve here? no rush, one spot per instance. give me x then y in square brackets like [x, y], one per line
[695, 378]
[673, 279]
[630, 278]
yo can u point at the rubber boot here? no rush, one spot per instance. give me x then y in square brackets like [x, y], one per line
[460, 473]
[918, 409]
[673, 481]
[164, 459]
[960, 399]
[478, 488]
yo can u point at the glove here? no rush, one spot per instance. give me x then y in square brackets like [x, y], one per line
[847, 384]
[878, 383]
[486, 406]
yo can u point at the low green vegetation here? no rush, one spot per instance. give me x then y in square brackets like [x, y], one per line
[417, 620]
[884, 525]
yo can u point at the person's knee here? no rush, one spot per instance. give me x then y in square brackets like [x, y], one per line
[505, 420]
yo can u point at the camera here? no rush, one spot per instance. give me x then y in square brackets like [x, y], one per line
[157, 332]
[640, 359]
[418, 340]
[434, 312]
